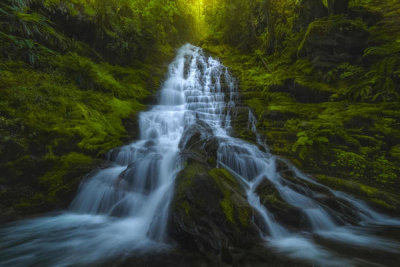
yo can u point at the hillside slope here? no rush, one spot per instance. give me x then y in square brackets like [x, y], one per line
[323, 78]
[73, 76]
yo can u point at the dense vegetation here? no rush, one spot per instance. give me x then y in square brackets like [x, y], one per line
[73, 74]
[323, 78]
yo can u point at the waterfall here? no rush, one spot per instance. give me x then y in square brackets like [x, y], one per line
[123, 209]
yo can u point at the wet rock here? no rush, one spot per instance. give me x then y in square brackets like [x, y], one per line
[198, 144]
[186, 68]
[210, 214]
[281, 165]
[133, 180]
[283, 212]
[342, 210]
[149, 144]
[300, 185]
[113, 154]
[123, 181]
[258, 256]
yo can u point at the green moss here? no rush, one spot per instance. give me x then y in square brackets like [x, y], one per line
[368, 190]
[186, 178]
[343, 138]
[235, 213]
[65, 164]
[222, 175]
[395, 152]
[352, 162]
[382, 203]
[67, 94]
[244, 216]
[352, 131]
[377, 196]
[385, 171]
[226, 206]
[194, 169]
[52, 103]
[186, 207]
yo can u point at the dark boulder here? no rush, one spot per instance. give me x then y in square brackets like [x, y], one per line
[283, 212]
[210, 214]
[342, 210]
[334, 40]
[198, 144]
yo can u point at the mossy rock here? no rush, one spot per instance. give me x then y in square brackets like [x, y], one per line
[343, 211]
[378, 198]
[283, 212]
[332, 40]
[210, 213]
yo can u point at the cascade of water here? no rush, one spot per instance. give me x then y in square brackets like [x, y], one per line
[251, 166]
[124, 208]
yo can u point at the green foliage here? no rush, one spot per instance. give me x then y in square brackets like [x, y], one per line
[246, 24]
[304, 142]
[120, 31]
[53, 181]
[352, 162]
[53, 103]
[385, 171]
[353, 131]
[73, 75]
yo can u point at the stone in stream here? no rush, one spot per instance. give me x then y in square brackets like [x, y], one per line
[343, 212]
[198, 143]
[210, 214]
[285, 213]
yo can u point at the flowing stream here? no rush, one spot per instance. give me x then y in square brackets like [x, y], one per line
[123, 209]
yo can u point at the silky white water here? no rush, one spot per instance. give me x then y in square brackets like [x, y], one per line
[123, 209]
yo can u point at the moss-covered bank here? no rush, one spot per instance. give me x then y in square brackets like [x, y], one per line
[325, 90]
[73, 77]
